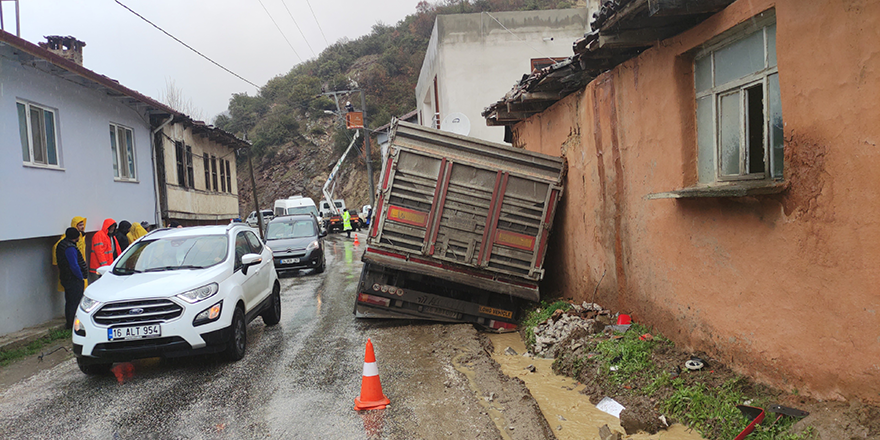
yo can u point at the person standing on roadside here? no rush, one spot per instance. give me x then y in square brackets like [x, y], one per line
[79, 223]
[122, 234]
[346, 222]
[71, 272]
[105, 247]
[137, 231]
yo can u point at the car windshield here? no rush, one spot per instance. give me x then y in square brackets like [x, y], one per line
[302, 210]
[294, 229]
[172, 254]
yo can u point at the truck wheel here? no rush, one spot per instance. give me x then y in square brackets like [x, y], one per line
[272, 315]
[92, 369]
[237, 345]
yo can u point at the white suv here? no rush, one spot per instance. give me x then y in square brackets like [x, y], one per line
[177, 292]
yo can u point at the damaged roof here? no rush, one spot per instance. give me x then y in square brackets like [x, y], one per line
[48, 62]
[620, 30]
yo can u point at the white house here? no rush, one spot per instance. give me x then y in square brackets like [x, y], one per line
[72, 143]
[474, 58]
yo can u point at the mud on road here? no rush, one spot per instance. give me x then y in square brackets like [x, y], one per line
[443, 383]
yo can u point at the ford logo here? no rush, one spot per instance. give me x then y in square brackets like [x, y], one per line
[137, 311]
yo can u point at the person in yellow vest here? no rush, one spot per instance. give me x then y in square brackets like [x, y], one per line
[346, 222]
[80, 224]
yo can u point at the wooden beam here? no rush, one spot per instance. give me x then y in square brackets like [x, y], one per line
[635, 38]
[685, 7]
[634, 7]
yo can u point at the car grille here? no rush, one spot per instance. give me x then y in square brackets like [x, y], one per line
[136, 312]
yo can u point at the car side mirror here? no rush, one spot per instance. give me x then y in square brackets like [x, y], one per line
[248, 260]
[103, 270]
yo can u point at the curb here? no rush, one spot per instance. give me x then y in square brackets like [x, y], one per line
[25, 336]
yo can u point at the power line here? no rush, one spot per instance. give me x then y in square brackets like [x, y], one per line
[298, 28]
[520, 38]
[279, 29]
[186, 45]
[316, 22]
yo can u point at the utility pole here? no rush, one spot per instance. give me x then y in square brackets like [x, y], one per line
[254, 190]
[335, 94]
[367, 151]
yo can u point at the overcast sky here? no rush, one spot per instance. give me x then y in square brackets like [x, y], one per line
[239, 35]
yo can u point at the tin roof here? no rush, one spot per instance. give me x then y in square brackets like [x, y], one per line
[54, 64]
[620, 30]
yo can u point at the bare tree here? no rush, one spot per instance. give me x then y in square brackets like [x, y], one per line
[173, 97]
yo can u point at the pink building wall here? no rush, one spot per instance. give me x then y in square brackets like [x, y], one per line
[785, 287]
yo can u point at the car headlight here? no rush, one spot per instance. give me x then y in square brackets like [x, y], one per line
[312, 245]
[199, 294]
[87, 304]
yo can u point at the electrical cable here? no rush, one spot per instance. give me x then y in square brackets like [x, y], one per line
[279, 29]
[316, 22]
[298, 28]
[521, 39]
[186, 45]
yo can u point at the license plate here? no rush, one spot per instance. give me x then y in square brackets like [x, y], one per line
[440, 312]
[134, 332]
[290, 260]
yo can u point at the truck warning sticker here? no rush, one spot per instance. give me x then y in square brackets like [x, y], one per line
[496, 312]
[407, 216]
[512, 239]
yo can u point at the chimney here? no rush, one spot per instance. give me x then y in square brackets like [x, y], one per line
[68, 47]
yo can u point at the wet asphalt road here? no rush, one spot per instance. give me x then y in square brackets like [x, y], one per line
[298, 379]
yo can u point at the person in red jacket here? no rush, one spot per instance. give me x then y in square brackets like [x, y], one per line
[105, 247]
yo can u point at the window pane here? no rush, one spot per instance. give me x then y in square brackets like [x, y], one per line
[771, 45]
[703, 73]
[23, 133]
[120, 141]
[742, 58]
[755, 122]
[705, 142]
[207, 173]
[129, 149]
[775, 110]
[37, 135]
[115, 153]
[730, 136]
[228, 178]
[51, 151]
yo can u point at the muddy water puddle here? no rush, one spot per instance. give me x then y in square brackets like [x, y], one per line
[560, 399]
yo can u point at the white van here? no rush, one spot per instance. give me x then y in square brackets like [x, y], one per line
[295, 205]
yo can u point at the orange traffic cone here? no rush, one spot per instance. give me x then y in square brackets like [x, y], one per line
[371, 389]
[356, 242]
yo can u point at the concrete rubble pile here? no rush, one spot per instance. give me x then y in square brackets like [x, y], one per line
[564, 329]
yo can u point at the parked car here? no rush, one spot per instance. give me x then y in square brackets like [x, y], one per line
[254, 222]
[177, 292]
[297, 242]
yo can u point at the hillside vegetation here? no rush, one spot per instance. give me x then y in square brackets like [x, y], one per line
[295, 143]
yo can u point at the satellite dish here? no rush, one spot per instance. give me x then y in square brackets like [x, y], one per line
[456, 122]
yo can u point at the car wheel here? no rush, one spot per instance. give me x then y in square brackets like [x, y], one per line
[272, 315]
[320, 269]
[238, 342]
[92, 369]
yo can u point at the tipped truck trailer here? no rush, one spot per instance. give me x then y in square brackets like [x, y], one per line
[460, 229]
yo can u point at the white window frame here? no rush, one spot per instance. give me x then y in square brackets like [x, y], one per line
[740, 85]
[44, 150]
[121, 156]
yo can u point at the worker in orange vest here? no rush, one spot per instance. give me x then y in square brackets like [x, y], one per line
[105, 247]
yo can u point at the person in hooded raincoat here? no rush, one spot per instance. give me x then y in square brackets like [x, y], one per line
[122, 234]
[71, 272]
[137, 231]
[346, 222]
[105, 247]
[79, 223]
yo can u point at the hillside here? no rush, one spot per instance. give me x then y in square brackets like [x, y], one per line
[295, 143]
